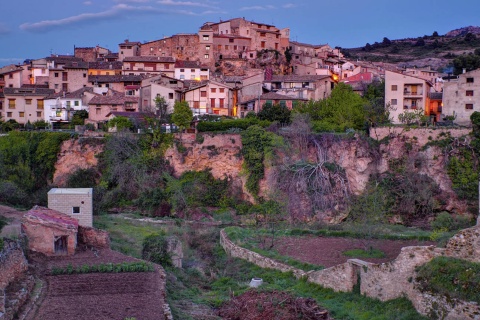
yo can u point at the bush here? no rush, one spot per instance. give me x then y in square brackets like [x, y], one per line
[83, 178]
[155, 249]
[445, 221]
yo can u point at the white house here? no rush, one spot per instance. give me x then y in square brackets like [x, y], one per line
[191, 70]
[59, 107]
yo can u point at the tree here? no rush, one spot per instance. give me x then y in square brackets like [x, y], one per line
[182, 115]
[79, 117]
[466, 61]
[386, 42]
[275, 112]
[288, 55]
[435, 34]
[161, 108]
[420, 43]
[121, 123]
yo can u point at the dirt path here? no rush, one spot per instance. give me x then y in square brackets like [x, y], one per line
[328, 252]
[14, 217]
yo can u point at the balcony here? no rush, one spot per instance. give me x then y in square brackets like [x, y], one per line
[413, 93]
[410, 107]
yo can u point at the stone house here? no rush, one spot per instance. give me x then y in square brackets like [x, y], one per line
[105, 68]
[406, 93]
[74, 202]
[66, 73]
[191, 70]
[91, 54]
[210, 97]
[270, 98]
[50, 232]
[149, 65]
[128, 49]
[167, 87]
[102, 105]
[309, 87]
[461, 97]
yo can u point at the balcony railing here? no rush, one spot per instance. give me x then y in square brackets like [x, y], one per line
[410, 107]
[413, 93]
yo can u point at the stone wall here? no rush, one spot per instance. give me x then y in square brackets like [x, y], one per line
[93, 237]
[390, 280]
[421, 134]
[13, 265]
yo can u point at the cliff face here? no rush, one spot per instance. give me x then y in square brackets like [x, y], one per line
[356, 157]
[75, 154]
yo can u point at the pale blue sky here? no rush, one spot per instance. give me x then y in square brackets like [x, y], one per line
[35, 28]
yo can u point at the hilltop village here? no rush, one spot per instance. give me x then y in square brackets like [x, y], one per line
[227, 68]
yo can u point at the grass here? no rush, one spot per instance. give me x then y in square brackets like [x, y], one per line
[362, 253]
[451, 277]
[140, 266]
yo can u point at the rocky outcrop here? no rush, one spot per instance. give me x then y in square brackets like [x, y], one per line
[76, 154]
[93, 237]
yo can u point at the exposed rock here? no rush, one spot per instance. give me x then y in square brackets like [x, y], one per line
[76, 154]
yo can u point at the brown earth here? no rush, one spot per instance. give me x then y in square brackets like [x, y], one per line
[328, 251]
[137, 295]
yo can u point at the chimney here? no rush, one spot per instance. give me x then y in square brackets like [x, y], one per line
[464, 70]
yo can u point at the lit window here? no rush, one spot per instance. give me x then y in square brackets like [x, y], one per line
[206, 56]
[206, 38]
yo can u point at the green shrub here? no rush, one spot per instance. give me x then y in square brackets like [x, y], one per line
[451, 277]
[138, 266]
[155, 249]
[450, 223]
[83, 178]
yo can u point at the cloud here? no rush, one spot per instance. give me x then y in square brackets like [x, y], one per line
[289, 5]
[114, 12]
[184, 3]
[88, 3]
[267, 7]
[132, 1]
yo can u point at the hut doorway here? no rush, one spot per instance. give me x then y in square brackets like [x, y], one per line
[61, 245]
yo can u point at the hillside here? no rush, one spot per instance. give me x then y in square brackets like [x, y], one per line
[437, 51]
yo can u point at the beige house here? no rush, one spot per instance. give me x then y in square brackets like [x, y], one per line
[24, 104]
[308, 87]
[102, 105]
[74, 202]
[149, 65]
[461, 97]
[404, 93]
[128, 49]
[211, 97]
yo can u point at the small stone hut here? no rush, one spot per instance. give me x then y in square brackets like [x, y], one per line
[75, 202]
[50, 232]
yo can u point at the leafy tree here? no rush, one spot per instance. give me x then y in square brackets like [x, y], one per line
[275, 112]
[470, 37]
[386, 42]
[376, 112]
[368, 47]
[79, 117]
[182, 115]
[466, 61]
[155, 249]
[435, 34]
[420, 43]
[40, 124]
[161, 108]
[121, 123]
[288, 55]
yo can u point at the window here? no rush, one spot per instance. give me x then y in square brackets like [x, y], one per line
[77, 103]
[269, 103]
[84, 75]
[166, 66]
[28, 101]
[170, 95]
[192, 70]
[206, 38]
[212, 102]
[98, 111]
[222, 102]
[469, 93]
[56, 74]
[21, 114]
[251, 55]
[11, 103]
[196, 104]
[207, 48]
[203, 94]
[230, 40]
[226, 47]
[9, 114]
[235, 48]
[69, 104]
[65, 86]
[394, 87]
[182, 77]
[213, 90]
[10, 76]
[262, 44]
[64, 76]
[75, 210]
[1, 106]
[206, 56]
[219, 47]
[262, 34]
[40, 104]
[39, 114]
[222, 90]
[393, 102]
[182, 70]
[469, 106]
[470, 80]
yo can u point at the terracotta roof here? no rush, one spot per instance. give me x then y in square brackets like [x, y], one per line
[296, 78]
[115, 99]
[48, 216]
[276, 96]
[149, 59]
[364, 76]
[28, 91]
[63, 59]
[111, 65]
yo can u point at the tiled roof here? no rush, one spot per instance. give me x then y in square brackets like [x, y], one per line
[63, 59]
[78, 94]
[48, 216]
[187, 64]
[315, 46]
[149, 59]
[297, 78]
[115, 99]
[276, 96]
[10, 68]
[126, 42]
[28, 91]
[76, 65]
[364, 76]
[113, 65]
[115, 78]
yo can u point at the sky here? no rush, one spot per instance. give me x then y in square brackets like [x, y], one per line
[32, 29]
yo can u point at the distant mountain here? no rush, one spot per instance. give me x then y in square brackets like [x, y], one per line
[433, 50]
[463, 31]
